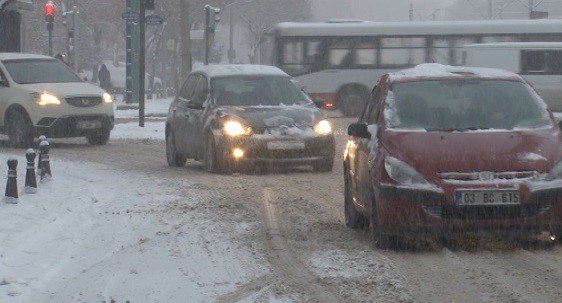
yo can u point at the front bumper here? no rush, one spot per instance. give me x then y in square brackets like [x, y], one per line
[67, 126]
[256, 149]
[411, 210]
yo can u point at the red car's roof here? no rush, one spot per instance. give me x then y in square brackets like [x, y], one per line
[434, 71]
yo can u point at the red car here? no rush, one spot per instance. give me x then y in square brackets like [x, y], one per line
[442, 149]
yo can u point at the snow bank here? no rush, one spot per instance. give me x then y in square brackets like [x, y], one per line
[531, 157]
[151, 130]
[97, 234]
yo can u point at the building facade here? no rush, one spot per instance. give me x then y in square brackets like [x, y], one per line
[11, 24]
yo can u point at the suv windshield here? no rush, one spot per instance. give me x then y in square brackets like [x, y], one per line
[460, 105]
[256, 91]
[29, 71]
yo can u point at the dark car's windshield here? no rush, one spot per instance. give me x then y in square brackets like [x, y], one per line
[462, 105]
[256, 91]
[29, 71]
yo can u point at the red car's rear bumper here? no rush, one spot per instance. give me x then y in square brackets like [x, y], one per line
[401, 210]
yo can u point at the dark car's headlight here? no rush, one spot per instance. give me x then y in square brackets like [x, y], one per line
[323, 127]
[233, 128]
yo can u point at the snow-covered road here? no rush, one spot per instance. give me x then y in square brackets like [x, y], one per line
[189, 236]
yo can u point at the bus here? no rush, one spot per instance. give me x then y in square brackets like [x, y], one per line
[540, 63]
[339, 61]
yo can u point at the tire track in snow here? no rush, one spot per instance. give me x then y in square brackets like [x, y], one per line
[291, 269]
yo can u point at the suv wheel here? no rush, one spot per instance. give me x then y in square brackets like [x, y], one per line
[353, 219]
[172, 156]
[20, 129]
[100, 137]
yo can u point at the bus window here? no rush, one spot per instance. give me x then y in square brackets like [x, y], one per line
[293, 52]
[456, 53]
[440, 51]
[402, 51]
[492, 39]
[341, 54]
[534, 62]
[366, 54]
[556, 62]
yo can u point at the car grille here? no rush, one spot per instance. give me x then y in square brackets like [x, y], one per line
[84, 101]
[487, 212]
[487, 176]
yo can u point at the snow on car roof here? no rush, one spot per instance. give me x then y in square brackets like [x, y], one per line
[240, 70]
[18, 56]
[517, 45]
[435, 70]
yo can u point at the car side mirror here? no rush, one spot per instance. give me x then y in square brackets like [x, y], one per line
[194, 104]
[359, 130]
[319, 103]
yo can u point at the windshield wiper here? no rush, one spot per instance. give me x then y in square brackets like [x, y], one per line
[448, 130]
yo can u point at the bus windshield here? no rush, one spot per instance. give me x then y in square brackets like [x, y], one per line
[462, 105]
[256, 91]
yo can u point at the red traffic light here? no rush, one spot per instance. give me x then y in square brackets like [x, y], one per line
[50, 11]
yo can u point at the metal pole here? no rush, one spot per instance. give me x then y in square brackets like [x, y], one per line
[207, 32]
[129, 58]
[231, 51]
[50, 30]
[185, 39]
[142, 62]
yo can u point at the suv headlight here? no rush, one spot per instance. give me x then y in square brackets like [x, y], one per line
[44, 99]
[403, 173]
[233, 128]
[323, 127]
[107, 98]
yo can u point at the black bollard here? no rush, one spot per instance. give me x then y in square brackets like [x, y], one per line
[12, 185]
[39, 162]
[45, 162]
[30, 178]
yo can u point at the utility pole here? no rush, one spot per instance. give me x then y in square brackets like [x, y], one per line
[185, 39]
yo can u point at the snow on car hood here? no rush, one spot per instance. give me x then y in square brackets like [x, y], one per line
[274, 116]
[440, 152]
[64, 90]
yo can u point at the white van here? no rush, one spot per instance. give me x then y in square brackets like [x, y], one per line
[540, 63]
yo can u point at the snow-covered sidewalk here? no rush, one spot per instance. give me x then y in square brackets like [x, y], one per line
[132, 130]
[98, 234]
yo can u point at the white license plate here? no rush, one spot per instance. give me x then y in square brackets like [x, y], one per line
[487, 197]
[88, 124]
[285, 145]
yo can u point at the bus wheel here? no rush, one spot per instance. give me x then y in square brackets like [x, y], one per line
[352, 101]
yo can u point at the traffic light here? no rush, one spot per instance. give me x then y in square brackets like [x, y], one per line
[50, 12]
[149, 5]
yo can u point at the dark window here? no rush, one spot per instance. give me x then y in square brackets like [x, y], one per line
[256, 91]
[541, 62]
[189, 87]
[375, 102]
[202, 89]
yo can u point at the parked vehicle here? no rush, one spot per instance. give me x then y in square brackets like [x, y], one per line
[338, 61]
[230, 116]
[442, 149]
[540, 63]
[40, 95]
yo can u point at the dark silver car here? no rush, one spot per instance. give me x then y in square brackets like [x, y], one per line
[231, 116]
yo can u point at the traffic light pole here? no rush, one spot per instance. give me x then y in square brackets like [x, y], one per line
[50, 31]
[129, 58]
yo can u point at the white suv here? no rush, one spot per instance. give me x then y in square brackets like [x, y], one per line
[40, 95]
